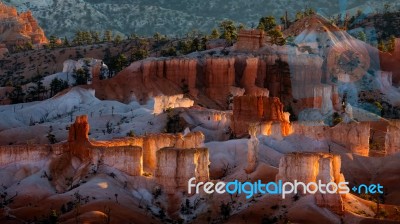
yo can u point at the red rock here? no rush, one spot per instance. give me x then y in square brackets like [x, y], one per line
[19, 29]
[314, 167]
[219, 77]
[250, 40]
[78, 138]
[256, 109]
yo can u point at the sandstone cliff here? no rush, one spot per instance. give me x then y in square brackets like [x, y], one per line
[219, 77]
[312, 167]
[354, 136]
[258, 109]
[175, 166]
[392, 139]
[19, 29]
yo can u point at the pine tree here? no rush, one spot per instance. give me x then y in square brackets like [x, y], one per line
[267, 23]
[107, 36]
[214, 34]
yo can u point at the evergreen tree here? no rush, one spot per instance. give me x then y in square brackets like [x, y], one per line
[276, 37]
[362, 36]
[228, 31]
[108, 36]
[66, 42]
[117, 39]
[214, 34]
[382, 46]
[81, 76]
[95, 37]
[52, 41]
[120, 62]
[391, 44]
[267, 23]
[57, 85]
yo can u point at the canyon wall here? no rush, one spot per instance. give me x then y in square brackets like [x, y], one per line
[354, 136]
[258, 109]
[312, 167]
[175, 166]
[392, 138]
[219, 77]
[23, 153]
[19, 29]
[153, 142]
[125, 158]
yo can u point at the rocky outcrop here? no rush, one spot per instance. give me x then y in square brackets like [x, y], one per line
[219, 77]
[78, 138]
[392, 140]
[125, 158]
[252, 150]
[250, 40]
[249, 78]
[183, 72]
[153, 142]
[19, 29]
[175, 166]
[23, 153]
[354, 136]
[162, 103]
[252, 109]
[312, 167]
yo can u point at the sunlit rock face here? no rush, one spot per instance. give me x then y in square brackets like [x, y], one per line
[162, 103]
[23, 153]
[153, 142]
[354, 136]
[78, 138]
[125, 158]
[249, 78]
[253, 109]
[250, 40]
[219, 77]
[19, 29]
[392, 139]
[183, 72]
[175, 166]
[314, 167]
[252, 150]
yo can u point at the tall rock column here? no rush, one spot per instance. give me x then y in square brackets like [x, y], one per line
[78, 138]
[252, 149]
[314, 167]
[175, 167]
[392, 138]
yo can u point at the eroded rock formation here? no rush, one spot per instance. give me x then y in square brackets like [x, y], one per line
[153, 142]
[250, 40]
[219, 77]
[78, 138]
[354, 136]
[258, 109]
[175, 166]
[312, 167]
[392, 139]
[252, 150]
[19, 29]
[162, 103]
